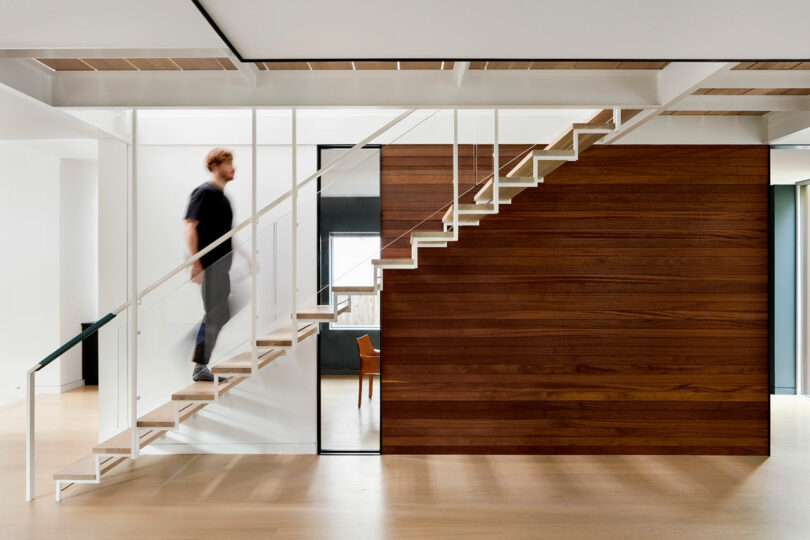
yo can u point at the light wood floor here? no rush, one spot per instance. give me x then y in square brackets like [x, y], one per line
[344, 426]
[424, 497]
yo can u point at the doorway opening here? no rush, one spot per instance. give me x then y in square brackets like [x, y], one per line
[349, 225]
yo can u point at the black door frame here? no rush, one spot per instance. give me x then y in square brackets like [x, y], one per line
[321, 450]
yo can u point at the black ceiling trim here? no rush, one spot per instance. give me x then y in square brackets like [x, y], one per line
[236, 53]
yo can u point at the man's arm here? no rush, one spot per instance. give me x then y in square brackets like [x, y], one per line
[190, 235]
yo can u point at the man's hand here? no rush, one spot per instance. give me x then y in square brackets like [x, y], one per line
[197, 272]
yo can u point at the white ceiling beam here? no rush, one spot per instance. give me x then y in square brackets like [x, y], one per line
[783, 124]
[460, 69]
[765, 78]
[700, 130]
[114, 53]
[361, 88]
[675, 82]
[742, 103]
[248, 70]
[27, 78]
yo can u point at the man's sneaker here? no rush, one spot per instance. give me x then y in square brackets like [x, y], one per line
[203, 374]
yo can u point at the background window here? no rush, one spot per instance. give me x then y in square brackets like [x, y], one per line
[351, 265]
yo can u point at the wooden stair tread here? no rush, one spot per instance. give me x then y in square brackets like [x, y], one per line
[83, 469]
[566, 153]
[323, 313]
[393, 262]
[432, 235]
[163, 416]
[463, 219]
[594, 125]
[199, 391]
[346, 289]
[282, 337]
[476, 208]
[120, 444]
[317, 310]
[242, 362]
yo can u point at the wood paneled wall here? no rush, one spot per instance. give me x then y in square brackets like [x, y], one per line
[619, 308]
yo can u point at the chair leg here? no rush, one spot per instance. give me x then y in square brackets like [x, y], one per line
[360, 394]
[370, 382]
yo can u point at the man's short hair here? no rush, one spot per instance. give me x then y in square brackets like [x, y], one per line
[217, 156]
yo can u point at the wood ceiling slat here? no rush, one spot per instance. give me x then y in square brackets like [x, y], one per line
[153, 64]
[375, 65]
[261, 66]
[552, 65]
[198, 64]
[753, 91]
[109, 64]
[509, 65]
[796, 92]
[714, 113]
[420, 65]
[596, 65]
[477, 65]
[65, 64]
[286, 66]
[642, 65]
[774, 65]
[449, 65]
[330, 65]
[764, 91]
[744, 65]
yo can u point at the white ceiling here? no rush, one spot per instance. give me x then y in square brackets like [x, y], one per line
[469, 29]
[104, 24]
[514, 29]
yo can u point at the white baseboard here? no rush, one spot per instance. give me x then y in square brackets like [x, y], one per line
[162, 448]
[59, 388]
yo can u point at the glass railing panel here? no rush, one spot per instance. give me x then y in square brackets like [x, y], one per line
[183, 321]
[171, 163]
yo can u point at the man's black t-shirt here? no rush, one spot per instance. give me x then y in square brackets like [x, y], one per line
[211, 208]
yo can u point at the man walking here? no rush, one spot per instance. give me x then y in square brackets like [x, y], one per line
[208, 217]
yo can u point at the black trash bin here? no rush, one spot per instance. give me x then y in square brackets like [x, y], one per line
[90, 357]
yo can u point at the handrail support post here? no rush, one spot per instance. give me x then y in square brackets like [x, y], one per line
[30, 418]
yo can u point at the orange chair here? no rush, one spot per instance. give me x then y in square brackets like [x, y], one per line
[369, 364]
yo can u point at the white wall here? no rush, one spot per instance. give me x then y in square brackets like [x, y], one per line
[48, 283]
[29, 288]
[112, 285]
[789, 166]
[78, 259]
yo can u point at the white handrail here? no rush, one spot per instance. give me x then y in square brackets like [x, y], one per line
[213, 245]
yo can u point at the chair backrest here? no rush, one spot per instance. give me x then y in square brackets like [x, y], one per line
[364, 346]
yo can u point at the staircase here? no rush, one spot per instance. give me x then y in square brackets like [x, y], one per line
[527, 173]
[185, 403]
